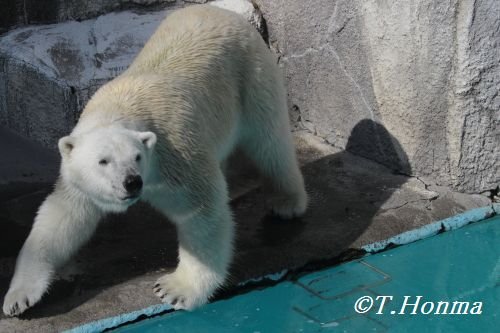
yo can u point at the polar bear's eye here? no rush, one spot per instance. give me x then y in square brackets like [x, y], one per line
[138, 158]
[103, 162]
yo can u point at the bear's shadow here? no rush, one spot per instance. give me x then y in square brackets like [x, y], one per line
[346, 192]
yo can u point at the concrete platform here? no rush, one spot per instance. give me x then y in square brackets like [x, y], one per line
[354, 202]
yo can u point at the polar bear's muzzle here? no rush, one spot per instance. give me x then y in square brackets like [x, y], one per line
[133, 185]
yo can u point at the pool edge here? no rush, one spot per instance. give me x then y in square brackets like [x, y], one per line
[450, 223]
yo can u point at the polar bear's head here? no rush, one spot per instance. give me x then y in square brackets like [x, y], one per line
[109, 165]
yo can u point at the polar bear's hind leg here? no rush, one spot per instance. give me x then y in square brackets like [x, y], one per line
[268, 142]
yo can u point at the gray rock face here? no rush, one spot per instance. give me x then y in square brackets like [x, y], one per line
[428, 72]
[475, 102]
[48, 73]
[23, 12]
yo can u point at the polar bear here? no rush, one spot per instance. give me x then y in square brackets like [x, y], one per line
[204, 84]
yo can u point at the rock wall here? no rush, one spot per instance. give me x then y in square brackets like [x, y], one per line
[428, 71]
[17, 13]
[48, 73]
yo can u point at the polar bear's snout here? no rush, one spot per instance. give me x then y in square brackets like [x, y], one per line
[133, 186]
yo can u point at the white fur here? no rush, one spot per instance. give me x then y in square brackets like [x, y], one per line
[204, 84]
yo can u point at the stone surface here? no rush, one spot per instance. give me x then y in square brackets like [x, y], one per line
[353, 202]
[426, 71]
[24, 12]
[48, 73]
[475, 101]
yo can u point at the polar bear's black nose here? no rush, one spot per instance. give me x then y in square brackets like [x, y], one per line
[133, 184]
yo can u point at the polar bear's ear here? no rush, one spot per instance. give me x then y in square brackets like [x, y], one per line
[66, 145]
[148, 138]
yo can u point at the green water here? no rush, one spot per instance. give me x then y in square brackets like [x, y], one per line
[461, 265]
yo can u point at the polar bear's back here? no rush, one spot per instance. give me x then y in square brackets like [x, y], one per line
[205, 55]
[196, 38]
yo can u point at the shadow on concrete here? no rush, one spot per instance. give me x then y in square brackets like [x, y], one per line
[346, 192]
[372, 141]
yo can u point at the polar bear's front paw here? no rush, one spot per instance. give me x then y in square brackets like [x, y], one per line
[19, 299]
[181, 291]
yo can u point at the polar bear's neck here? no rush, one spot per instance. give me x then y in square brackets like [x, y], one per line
[118, 103]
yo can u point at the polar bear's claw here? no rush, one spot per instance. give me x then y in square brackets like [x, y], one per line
[179, 292]
[19, 300]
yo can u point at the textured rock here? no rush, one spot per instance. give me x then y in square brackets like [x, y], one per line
[24, 12]
[475, 101]
[426, 71]
[47, 73]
